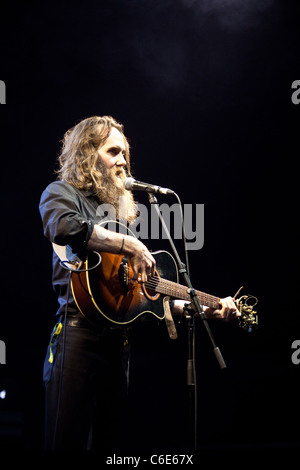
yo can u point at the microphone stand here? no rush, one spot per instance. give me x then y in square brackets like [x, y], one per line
[196, 308]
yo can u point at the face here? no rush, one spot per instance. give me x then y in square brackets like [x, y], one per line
[112, 164]
[112, 153]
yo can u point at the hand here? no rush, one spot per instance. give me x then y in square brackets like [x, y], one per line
[141, 260]
[227, 312]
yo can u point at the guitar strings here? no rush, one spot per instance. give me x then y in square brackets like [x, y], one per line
[157, 281]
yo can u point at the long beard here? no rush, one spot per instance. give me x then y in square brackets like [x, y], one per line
[113, 193]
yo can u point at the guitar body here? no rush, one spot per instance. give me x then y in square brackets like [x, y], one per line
[107, 292]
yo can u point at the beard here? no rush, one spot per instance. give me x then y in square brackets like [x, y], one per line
[113, 193]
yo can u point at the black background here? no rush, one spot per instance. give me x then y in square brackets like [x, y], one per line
[203, 89]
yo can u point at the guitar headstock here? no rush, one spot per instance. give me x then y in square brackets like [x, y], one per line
[249, 318]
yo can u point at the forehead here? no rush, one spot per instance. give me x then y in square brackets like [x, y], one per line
[115, 139]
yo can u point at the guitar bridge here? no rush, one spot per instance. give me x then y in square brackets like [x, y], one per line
[124, 275]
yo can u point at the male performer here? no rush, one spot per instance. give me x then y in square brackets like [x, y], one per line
[84, 376]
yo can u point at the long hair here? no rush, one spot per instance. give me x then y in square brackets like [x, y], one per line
[78, 159]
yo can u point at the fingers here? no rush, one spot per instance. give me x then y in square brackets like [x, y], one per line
[228, 310]
[143, 265]
[143, 273]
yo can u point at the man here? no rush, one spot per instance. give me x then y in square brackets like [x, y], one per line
[84, 375]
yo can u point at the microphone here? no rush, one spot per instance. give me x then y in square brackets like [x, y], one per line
[132, 184]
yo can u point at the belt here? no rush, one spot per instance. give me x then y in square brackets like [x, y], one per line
[78, 321]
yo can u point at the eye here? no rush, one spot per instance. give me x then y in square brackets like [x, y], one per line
[112, 151]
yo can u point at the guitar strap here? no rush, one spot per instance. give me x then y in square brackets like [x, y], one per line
[169, 319]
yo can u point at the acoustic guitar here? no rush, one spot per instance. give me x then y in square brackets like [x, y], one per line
[103, 288]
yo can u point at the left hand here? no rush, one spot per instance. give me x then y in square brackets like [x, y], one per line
[227, 312]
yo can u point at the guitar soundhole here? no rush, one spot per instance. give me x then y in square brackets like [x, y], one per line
[149, 287]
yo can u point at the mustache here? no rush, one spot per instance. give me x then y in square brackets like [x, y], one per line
[119, 172]
[112, 173]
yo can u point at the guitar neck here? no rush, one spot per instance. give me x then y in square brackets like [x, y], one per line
[178, 291]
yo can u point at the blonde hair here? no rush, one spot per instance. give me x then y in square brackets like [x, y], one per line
[78, 159]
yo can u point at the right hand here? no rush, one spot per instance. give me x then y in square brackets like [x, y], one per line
[142, 262]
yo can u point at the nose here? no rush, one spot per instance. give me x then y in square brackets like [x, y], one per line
[121, 161]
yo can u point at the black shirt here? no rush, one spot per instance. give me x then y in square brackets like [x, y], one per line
[68, 216]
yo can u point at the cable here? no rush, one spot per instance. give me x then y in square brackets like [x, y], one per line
[195, 387]
[63, 265]
[184, 236]
[193, 330]
[62, 362]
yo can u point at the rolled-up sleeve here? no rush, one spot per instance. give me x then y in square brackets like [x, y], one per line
[64, 222]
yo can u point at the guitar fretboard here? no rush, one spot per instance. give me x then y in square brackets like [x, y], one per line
[178, 291]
